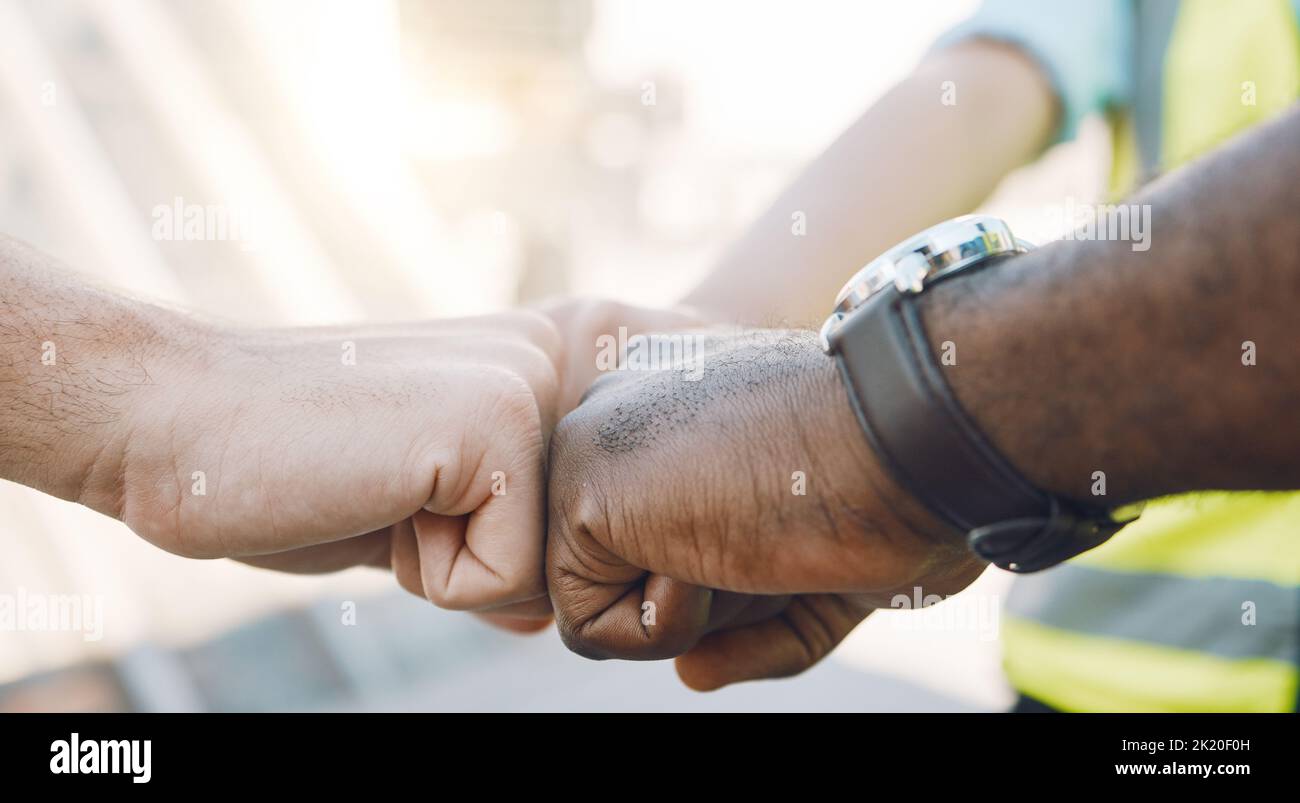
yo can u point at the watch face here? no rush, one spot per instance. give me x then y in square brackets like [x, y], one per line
[922, 260]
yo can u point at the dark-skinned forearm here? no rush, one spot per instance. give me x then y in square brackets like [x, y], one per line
[1089, 356]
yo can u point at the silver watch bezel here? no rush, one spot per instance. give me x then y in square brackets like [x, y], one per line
[916, 263]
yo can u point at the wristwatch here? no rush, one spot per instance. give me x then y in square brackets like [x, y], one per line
[913, 421]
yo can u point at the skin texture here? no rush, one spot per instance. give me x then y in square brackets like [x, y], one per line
[310, 464]
[675, 493]
[679, 493]
[583, 322]
[1145, 381]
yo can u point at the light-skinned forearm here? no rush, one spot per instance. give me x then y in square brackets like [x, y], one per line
[910, 161]
[297, 449]
[1171, 369]
[75, 362]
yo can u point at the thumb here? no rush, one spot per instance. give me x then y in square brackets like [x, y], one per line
[793, 640]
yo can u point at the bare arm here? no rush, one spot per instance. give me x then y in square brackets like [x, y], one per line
[298, 449]
[1092, 356]
[907, 163]
[74, 361]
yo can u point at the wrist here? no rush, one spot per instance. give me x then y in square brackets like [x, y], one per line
[858, 491]
[1031, 380]
[117, 460]
[894, 368]
[839, 432]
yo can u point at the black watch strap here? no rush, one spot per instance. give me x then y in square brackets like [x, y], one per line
[937, 453]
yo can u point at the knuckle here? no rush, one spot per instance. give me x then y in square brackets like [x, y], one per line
[589, 516]
[441, 596]
[442, 593]
[600, 609]
[540, 330]
[537, 367]
[600, 315]
[408, 579]
[580, 603]
[566, 432]
[577, 640]
[515, 404]
[665, 641]
[566, 475]
[522, 584]
[579, 509]
[515, 394]
[571, 440]
[509, 586]
[820, 624]
[619, 633]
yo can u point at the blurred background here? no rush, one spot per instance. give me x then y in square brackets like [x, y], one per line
[325, 161]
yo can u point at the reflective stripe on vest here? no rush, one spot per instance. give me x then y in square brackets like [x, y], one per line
[1223, 616]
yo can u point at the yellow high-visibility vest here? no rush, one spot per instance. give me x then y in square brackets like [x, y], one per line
[1196, 605]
